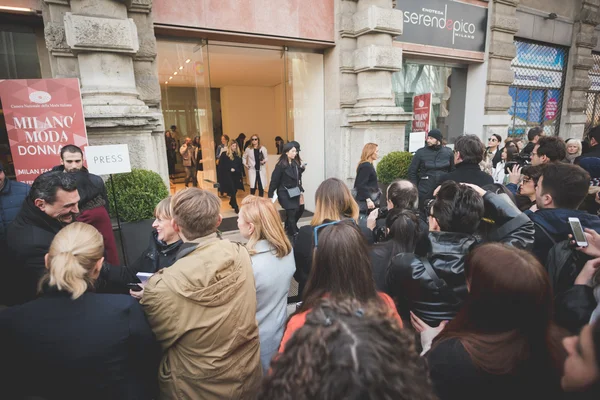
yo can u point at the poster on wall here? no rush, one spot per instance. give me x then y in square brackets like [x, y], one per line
[42, 116]
[421, 113]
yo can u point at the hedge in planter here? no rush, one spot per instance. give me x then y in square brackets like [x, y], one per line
[138, 192]
[394, 166]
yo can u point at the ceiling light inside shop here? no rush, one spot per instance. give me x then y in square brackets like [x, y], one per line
[180, 68]
[20, 9]
[170, 77]
[166, 82]
[187, 61]
[175, 73]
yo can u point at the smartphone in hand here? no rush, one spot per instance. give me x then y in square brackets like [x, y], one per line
[578, 234]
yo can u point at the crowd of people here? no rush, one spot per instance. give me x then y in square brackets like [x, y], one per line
[462, 281]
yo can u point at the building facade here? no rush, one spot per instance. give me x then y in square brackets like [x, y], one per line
[330, 74]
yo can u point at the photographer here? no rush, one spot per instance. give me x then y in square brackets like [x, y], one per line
[401, 194]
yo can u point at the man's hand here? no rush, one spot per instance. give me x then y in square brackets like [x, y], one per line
[514, 176]
[372, 219]
[593, 239]
[370, 204]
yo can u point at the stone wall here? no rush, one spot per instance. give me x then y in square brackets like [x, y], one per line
[110, 46]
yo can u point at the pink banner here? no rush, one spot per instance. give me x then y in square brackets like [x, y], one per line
[42, 116]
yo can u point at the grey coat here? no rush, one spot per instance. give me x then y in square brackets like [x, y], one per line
[272, 277]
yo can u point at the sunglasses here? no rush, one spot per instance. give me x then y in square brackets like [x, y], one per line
[492, 139]
[319, 227]
[254, 139]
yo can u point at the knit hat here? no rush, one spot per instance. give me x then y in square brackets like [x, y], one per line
[436, 134]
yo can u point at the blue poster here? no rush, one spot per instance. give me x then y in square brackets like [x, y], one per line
[539, 56]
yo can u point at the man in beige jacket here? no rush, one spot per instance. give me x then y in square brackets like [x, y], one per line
[202, 309]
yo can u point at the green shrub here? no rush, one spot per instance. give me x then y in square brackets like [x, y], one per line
[394, 166]
[138, 192]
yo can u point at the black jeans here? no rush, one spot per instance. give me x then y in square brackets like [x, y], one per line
[292, 216]
[233, 201]
[258, 184]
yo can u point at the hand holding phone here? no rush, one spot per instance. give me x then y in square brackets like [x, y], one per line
[578, 233]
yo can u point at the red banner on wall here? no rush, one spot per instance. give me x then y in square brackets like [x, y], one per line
[421, 113]
[42, 116]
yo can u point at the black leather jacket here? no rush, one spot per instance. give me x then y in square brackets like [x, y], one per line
[412, 287]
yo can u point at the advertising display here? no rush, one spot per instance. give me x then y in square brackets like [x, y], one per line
[421, 113]
[42, 116]
[443, 23]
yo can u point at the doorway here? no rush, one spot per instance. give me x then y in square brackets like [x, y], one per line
[211, 89]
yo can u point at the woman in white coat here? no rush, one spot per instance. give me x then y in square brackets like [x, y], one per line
[255, 159]
[508, 155]
[273, 266]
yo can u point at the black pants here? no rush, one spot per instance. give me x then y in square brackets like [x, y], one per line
[258, 184]
[233, 201]
[292, 216]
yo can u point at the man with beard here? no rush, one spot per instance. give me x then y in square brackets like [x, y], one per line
[52, 203]
[429, 164]
[71, 160]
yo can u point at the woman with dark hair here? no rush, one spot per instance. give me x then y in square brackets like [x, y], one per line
[171, 145]
[503, 343]
[230, 164]
[333, 202]
[492, 155]
[349, 350]
[365, 185]
[199, 167]
[286, 181]
[221, 148]
[501, 169]
[341, 268]
[405, 231]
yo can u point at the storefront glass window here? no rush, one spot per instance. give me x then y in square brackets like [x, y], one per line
[18, 60]
[538, 89]
[446, 83]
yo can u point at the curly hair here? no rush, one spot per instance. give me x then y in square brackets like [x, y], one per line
[348, 350]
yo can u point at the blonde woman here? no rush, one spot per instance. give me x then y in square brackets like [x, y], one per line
[365, 185]
[573, 149]
[71, 342]
[230, 165]
[333, 202]
[273, 266]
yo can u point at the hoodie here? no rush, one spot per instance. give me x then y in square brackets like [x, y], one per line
[202, 310]
[552, 224]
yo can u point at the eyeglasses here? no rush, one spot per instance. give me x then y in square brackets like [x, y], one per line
[492, 139]
[254, 139]
[318, 227]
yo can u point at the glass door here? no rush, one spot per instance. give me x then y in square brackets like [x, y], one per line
[305, 102]
[207, 177]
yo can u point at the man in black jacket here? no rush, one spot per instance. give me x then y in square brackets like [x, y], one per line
[71, 160]
[533, 136]
[434, 287]
[468, 153]
[548, 149]
[559, 192]
[51, 204]
[429, 164]
[594, 149]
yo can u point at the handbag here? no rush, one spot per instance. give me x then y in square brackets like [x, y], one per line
[293, 192]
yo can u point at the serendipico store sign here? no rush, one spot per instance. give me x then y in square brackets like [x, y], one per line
[443, 23]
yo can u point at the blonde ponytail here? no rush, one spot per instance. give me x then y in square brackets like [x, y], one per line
[73, 254]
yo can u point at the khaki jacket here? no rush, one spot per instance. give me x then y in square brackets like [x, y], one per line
[202, 310]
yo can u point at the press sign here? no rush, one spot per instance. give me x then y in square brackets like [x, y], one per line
[109, 159]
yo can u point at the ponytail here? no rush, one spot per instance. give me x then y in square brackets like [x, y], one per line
[72, 257]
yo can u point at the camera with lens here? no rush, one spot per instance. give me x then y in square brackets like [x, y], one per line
[521, 160]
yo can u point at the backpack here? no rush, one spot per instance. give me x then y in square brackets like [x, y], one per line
[563, 264]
